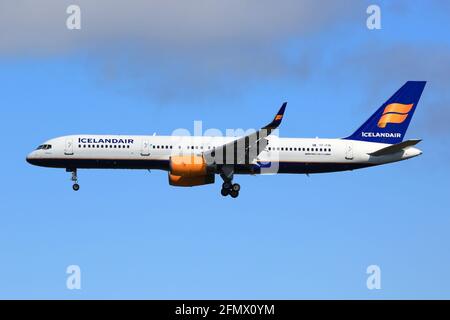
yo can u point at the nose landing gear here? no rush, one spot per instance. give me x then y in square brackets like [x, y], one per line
[74, 179]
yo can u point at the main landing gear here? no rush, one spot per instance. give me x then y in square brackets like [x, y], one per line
[74, 179]
[228, 187]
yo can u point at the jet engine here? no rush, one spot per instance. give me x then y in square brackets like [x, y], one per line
[189, 171]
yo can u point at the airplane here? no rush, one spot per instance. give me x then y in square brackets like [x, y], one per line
[196, 160]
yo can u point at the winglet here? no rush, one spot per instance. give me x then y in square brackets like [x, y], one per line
[278, 117]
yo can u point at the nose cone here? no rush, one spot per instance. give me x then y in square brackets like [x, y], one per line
[31, 158]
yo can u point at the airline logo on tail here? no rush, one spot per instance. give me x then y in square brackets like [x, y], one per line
[391, 120]
[394, 113]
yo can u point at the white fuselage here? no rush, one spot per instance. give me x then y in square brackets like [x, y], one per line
[281, 155]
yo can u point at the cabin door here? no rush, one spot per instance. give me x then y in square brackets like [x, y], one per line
[68, 149]
[349, 151]
[145, 150]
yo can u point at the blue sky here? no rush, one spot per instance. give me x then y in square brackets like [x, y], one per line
[286, 236]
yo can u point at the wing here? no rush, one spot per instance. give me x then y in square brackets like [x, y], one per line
[245, 149]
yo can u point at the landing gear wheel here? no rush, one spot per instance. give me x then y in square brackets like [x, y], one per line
[234, 194]
[226, 185]
[224, 192]
[74, 179]
[236, 187]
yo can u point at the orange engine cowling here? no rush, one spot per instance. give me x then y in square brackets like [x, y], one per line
[189, 171]
[188, 166]
[182, 181]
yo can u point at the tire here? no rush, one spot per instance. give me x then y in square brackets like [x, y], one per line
[224, 192]
[236, 187]
[234, 194]
[76, 187]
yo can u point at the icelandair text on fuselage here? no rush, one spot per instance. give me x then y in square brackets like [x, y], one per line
[106, 140]
[381, 134]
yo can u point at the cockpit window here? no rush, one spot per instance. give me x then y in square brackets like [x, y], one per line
[44, 147]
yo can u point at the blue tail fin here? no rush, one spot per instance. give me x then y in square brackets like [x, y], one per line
[389, 123]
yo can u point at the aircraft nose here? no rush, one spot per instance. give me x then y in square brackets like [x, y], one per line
[31, 158]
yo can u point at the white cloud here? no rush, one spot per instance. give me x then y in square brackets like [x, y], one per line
[39, 26]
[194, 47]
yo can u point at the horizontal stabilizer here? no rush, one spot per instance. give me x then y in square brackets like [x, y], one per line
[395, 148]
